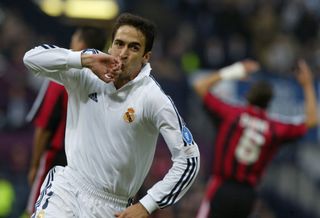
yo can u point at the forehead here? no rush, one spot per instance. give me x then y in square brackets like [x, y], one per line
[130, 34]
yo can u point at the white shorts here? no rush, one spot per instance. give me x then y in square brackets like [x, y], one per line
[64, 195]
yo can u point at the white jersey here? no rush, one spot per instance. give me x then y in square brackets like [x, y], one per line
[111, 133]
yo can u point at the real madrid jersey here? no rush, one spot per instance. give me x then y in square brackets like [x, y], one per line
[111, 133]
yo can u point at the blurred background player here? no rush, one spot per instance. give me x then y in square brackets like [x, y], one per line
[247, 138]
[48, 115]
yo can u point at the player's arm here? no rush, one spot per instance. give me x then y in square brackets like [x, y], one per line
[54, 62]
[184, 151]
[41, 139]
[304, 77]
[238, 70]
[185, 156]
[45, 121]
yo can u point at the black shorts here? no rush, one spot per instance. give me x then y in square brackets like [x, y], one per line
[232, 200]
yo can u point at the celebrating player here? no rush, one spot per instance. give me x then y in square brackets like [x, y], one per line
[247, 138]
[116, 111]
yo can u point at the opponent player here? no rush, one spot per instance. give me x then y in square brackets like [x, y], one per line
[48, 115]
[116, 111]
[247, 138]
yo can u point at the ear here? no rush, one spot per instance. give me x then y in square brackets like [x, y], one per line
[109, 50]
[146, 57]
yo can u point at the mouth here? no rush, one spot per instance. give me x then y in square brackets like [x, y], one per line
[123, 66]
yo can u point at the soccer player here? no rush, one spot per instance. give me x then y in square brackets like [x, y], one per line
[116, 111]
[48, 115]
[247, 138]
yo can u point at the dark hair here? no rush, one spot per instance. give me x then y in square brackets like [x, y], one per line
[260, 94]
[146, 27]
[94, 37]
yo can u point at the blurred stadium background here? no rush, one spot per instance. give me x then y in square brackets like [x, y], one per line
[194, 36]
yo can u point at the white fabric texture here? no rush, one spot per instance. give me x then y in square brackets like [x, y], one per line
[111, 134]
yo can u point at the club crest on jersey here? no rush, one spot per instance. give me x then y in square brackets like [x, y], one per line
[186, 135]
[129, 116]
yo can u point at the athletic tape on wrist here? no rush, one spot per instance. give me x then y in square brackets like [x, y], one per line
[234, 71]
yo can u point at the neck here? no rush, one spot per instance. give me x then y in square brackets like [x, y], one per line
[124, 79]
[121, 82]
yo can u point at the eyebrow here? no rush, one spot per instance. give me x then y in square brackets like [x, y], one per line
[130, 44]
[135, 44]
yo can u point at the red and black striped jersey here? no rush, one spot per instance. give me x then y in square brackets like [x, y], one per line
[246, 139]
[51, 113]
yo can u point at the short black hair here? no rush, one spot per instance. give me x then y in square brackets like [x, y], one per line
[94, 37]
[145, 26]
[260, 94]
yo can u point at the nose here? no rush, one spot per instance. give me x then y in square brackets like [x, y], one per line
[123, 52]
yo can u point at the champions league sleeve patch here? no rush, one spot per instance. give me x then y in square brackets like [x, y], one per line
[186, 135]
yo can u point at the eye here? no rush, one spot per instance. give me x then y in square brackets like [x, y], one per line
[118, 43]
[135, 48]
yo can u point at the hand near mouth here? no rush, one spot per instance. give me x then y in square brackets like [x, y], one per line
[105, 66]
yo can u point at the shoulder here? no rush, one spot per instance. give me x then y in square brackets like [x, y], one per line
[286, 120]
[85, 78]
[153, 90]
[154, 98]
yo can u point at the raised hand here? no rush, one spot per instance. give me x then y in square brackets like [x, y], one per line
[304, 74]
[105, 66]
[250, 66]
